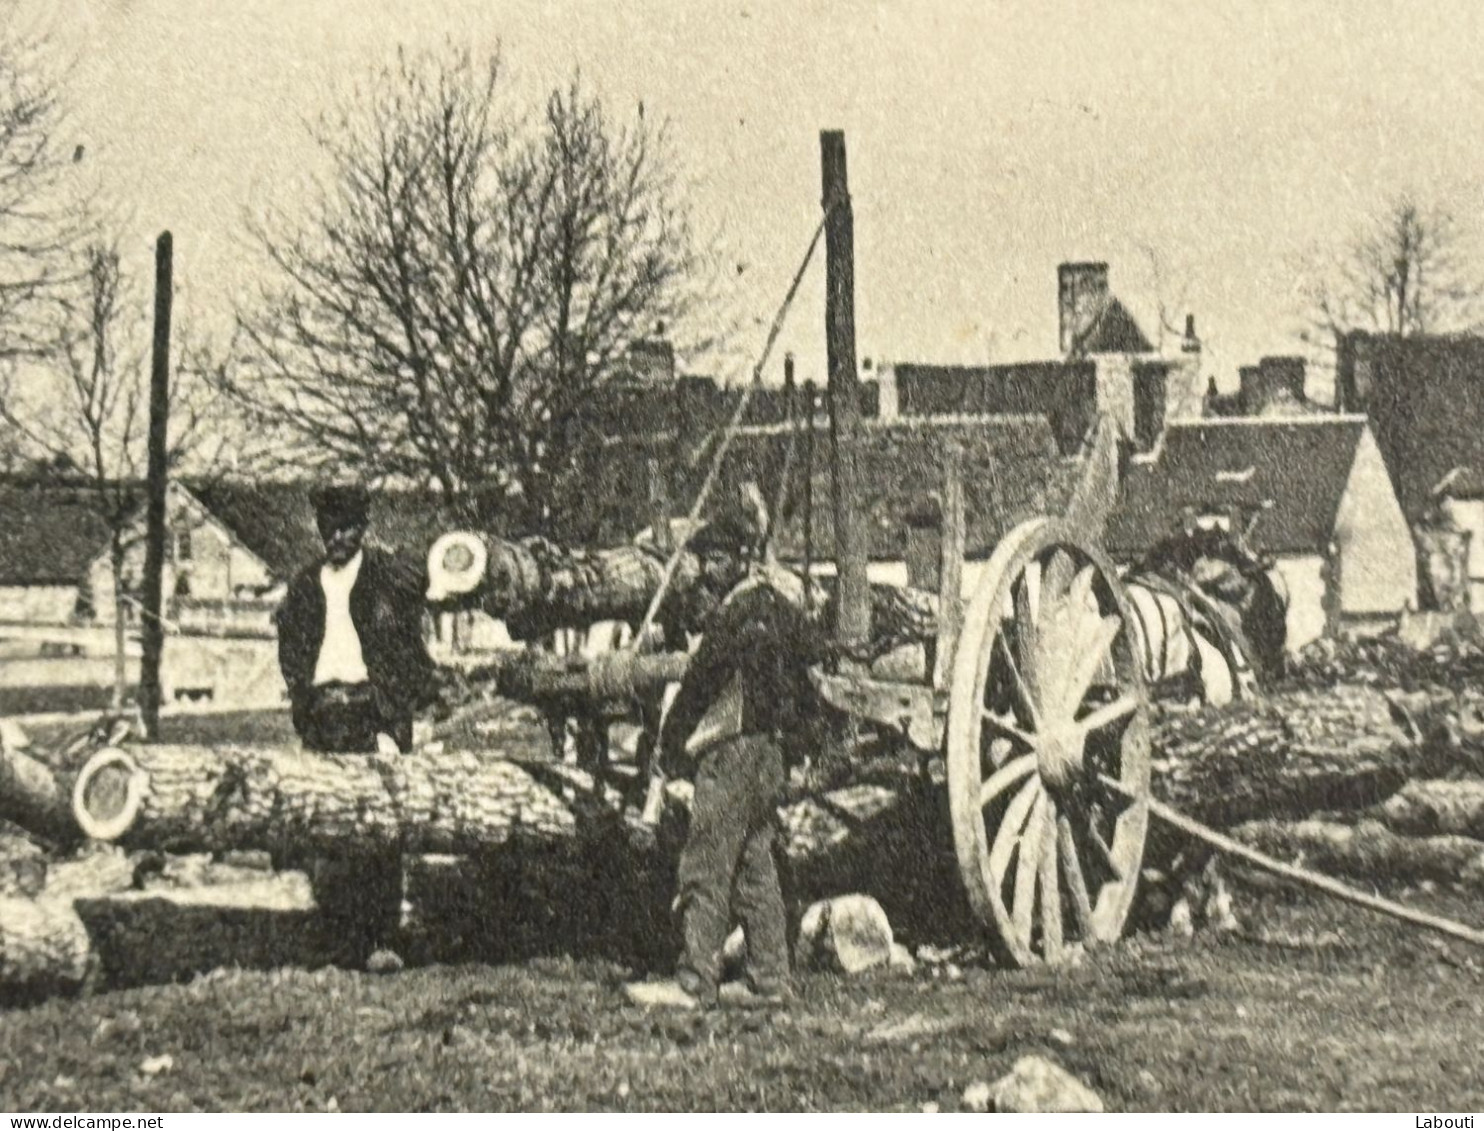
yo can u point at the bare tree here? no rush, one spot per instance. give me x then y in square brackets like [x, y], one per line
[1406, 274]
[469, 277]
[39, 196]
[83, 412]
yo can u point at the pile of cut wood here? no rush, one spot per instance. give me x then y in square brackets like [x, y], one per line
[1366, 763]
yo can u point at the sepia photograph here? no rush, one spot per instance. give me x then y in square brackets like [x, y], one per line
[740, 556]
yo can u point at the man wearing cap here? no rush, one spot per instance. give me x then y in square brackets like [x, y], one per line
[746, 693]
[351, 649]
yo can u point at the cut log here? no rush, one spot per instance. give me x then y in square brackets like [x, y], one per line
[1287, 755]
[1369, 850]
[207, 799]
[44, 949]
[33, 796]
[536, 586]
[1432, 807]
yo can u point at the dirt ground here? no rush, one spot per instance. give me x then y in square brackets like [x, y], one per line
[1312, 1007]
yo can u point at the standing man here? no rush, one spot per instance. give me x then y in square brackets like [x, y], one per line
[745, 699]
[351, 649]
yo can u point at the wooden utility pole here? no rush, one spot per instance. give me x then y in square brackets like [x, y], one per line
[853, 610]
[152, 630]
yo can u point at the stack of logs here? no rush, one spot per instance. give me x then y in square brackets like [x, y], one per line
[1372, 772]
[1418, 820]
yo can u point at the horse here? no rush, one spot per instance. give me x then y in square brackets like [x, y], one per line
[1210, 616]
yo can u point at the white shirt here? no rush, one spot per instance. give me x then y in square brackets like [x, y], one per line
[340, 653]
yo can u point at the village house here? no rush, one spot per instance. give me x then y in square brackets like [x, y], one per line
[231, 549]
[1313, 493]
[1274, 387]
[1424, 397]
[1106, 365]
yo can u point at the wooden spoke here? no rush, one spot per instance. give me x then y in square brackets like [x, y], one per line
[1012, 825]
[1027, 632]
[1105, 853]
[1076, 881]
[1006, 729]
[1079, 593]
[1091, 655]
[1006, 776]
[1057, 576]
[1032, 585]
[1022, 691]
[1027, 868]
[1108, 713]
[1050, 884]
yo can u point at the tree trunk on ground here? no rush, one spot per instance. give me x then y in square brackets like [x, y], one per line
[206, 799]
[34, 797]
[1287, 755]
[44, 949]
[1370, 851]
[1431, 807]
[44, 946]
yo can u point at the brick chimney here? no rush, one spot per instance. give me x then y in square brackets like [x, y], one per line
[1250, 391]
[1283, 375]
[1189, 343]
[1082, 292]
[1185, 397]
[652, 361]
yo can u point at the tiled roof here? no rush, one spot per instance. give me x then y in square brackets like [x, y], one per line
[1012, 471]
[1294, 471]
[49, 535]
[1065, 392]
[1425, 398]
[1114, 330]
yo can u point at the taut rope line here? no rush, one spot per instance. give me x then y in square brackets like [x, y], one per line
[673, 562]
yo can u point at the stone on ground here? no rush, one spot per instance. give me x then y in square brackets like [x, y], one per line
[1036, 1085]
[977, 1097]
[849, 933]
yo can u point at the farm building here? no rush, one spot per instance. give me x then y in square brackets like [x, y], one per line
[230, 551]
[1316, 494]
[1424, 397]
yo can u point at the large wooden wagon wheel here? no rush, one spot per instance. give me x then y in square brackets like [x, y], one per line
[1047, 695]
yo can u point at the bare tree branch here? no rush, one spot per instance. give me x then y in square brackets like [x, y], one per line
[469, 277]
[1405, 274]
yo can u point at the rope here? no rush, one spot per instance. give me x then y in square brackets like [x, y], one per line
[673, 562]
[775, 516]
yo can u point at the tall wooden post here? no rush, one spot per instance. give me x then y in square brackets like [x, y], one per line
[853, 608]
[152, 630]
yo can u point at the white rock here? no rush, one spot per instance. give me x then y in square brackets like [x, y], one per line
[902, 960]
[978, 1096]
[1182, 921]
[734, 954]
[1038, 1085]
[849, 933]
[154, 1065]
[1061, 1037]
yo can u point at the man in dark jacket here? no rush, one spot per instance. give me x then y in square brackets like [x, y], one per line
[350, 646]
[745, 695]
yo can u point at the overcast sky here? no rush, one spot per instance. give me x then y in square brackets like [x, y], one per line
[987, 142]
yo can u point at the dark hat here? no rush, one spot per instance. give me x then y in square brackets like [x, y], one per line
[731, 532]
[341, 502]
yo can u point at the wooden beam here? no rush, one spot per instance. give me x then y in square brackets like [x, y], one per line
[853, 612]
[152, 630]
